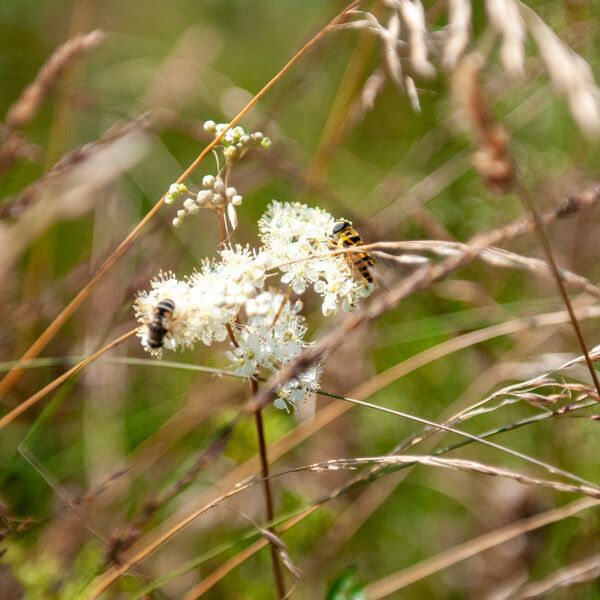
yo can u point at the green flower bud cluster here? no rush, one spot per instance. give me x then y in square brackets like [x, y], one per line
[176, 190]
[215, 194]
[236, 142]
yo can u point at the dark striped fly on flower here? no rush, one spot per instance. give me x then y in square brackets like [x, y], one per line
[160, 325]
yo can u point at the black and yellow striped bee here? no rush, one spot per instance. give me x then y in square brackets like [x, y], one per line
[160, 325]
[345, 236]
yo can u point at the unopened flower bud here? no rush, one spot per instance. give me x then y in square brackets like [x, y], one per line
[210, 126]
[219, 186]
[208, 181]
[231, 153]
[204, 196]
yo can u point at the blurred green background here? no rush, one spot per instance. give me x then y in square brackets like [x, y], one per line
[191, 61]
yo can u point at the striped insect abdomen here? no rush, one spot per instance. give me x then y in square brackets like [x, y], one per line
[361, 260]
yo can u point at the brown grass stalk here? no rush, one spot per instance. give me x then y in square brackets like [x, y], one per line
[494, 163]
[32, 400]
[582, 571]
[29, 103]
[219, 573]
[397, 581]
[42, 341]
[529, 204]
[268, 492]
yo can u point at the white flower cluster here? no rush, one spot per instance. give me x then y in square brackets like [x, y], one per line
[292, 233]
[205, 302]
[211, 303]
[236, 142]
[272, 337]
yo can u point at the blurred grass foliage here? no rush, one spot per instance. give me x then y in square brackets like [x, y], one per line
[201, 60]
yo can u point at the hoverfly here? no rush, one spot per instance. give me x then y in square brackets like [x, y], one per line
[160, 325]
[344, 235]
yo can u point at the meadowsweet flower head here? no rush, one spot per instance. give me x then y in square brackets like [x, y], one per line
[293, 232]
[241, 273]
[272, 337]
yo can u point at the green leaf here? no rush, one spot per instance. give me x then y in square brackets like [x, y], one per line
[347, 587]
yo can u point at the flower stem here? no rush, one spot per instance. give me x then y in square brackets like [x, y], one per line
[264, 465]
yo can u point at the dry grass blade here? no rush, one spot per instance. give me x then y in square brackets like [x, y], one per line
[475, 438]
[84, 159]
[458, 30]
[14, 375]
[494, 256]
[32, 400]
[25, 108]
[211, 580]
[493, 161]
[579, 572]
[571, 75]
[397, 581]
[469, 339]
[32, 98]
[452, 463]
[413, 16]
[504, 17]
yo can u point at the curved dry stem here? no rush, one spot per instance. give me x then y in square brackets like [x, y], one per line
[32, 400]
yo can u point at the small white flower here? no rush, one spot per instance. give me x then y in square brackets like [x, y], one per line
[266, 343]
